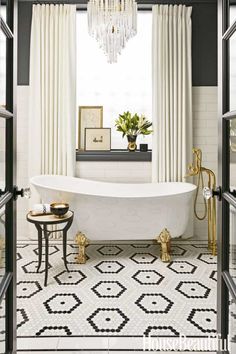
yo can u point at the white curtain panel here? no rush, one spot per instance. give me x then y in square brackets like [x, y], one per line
[52, 99]
[52, 110]
[172, 92]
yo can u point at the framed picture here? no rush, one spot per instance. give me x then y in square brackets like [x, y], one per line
[89, 117]
[97, 139]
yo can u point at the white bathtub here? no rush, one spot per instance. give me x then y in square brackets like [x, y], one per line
[119, 211]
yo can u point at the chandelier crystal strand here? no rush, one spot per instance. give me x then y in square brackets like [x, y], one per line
[112, 23]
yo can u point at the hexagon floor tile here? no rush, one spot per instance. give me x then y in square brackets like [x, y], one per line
[108, 289]
[193, 289]
[148, 277]
[123, 291]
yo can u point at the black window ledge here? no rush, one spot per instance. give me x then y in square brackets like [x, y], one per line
[114, 155]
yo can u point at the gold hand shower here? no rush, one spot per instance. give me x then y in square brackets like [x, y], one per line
[196, 169]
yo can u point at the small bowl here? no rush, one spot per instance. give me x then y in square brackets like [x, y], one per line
[59, 209]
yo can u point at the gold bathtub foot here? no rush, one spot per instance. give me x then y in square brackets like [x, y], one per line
[214, 249]
[209, 246]
[164, 239]
[82, 242]
[169, 246]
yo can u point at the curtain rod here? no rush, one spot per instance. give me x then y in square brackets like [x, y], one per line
[139, 2]
[143, 5]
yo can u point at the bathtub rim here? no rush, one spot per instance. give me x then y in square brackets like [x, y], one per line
[191, 188]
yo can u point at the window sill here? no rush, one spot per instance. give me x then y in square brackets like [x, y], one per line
[113, 155]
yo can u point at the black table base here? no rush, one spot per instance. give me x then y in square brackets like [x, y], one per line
[44, 233]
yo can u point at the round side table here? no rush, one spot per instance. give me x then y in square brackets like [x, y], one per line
[41, 222]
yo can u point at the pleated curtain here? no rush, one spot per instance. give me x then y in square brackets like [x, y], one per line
[52, 97]
[52, 111]
[172, 92]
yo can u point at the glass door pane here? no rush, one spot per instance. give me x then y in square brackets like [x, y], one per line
[232, 243]
[232, 326]
[7, 169]
[227, 174]
[232, 13]
[3, 12]
[2, 152]
[2, 244]
[2, 70]
[232, 72]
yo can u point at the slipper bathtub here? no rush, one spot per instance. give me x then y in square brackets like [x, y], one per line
[121, 211]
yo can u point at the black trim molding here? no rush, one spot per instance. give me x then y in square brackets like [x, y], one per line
[113, 155]
[204, 37]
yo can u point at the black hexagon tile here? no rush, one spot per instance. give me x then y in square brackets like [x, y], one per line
[177, 250]
[108, 320]
[207, 258]
[159, 331]
[140, 245]
[109, 250]
[193, 289]
[62, 303]
[109, 289]
[73, 277]
[203, 319]
[31, 267]
[22, 245]
[124, 290]
[182, 267]
[27, 289]
[213, 275]
[200, 246]
[143, 258]
[22, 317]
[52, 249]
[154, 303]
[148, 277]
[54, 331]
[109, 267]
[18, 256]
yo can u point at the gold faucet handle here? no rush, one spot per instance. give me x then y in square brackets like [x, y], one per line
[193, 170]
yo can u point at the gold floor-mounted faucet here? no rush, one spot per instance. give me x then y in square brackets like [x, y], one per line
[196, 169]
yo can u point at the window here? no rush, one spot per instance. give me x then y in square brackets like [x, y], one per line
[119, 87]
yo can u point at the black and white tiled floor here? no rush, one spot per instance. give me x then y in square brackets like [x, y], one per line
[123, 292]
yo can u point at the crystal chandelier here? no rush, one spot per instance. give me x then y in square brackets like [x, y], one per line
[112, 23]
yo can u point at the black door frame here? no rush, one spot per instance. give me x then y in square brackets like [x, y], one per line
[226, 284]
[7, 200]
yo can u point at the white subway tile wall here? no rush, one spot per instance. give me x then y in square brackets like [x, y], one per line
[204, 137]
[135, 172]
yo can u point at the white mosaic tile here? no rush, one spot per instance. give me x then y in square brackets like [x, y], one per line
[123, 292]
